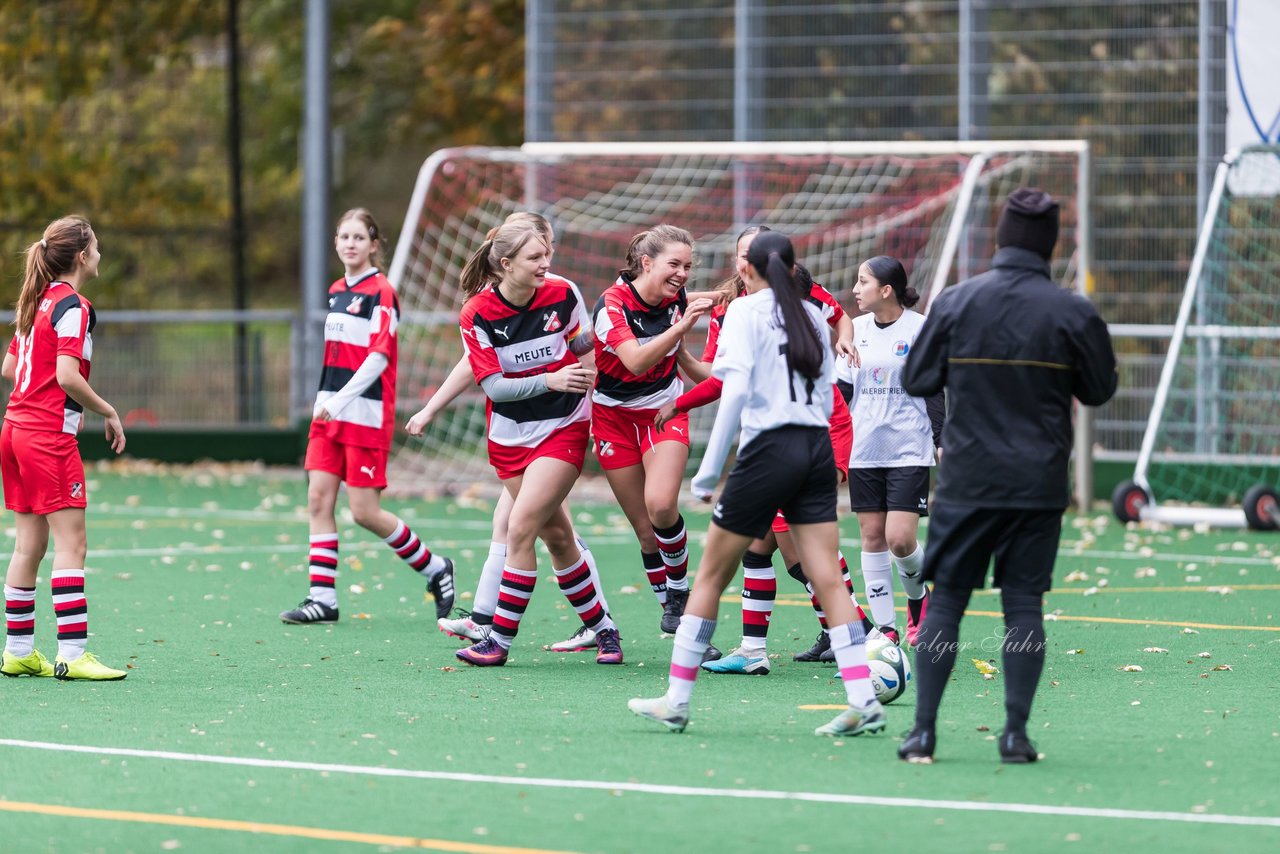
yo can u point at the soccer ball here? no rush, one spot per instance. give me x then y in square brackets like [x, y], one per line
[890, 670]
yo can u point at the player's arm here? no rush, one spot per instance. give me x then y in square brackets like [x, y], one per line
[9, 370]
[366, 375]
[639, 358]
[458, 381]
[844, 339]
[78, 389]
[925, 373]
[695, 369]
[728, 422]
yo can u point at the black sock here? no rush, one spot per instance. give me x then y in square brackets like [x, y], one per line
[937, 644]
[1023, 655]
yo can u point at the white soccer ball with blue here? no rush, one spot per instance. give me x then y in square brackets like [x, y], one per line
[890, 670]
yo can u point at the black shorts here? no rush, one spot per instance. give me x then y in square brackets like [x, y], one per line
[885, 489]
[791, 469]
[963, 540]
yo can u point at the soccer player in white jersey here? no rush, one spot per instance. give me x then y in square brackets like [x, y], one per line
[777, 366]
[475, 624]
[894, 441]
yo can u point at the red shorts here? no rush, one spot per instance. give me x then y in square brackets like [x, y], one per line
[841, 446]
[623, 436]
[365, 468]
[568, 444]
[42, 471]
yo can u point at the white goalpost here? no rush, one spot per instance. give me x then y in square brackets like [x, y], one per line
[931, 204]
[1211, 450]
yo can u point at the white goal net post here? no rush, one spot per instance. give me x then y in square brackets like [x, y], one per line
[1211, 450]
[933, 205]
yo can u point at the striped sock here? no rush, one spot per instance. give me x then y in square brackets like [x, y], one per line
[579, 588]
[673, 545]
[849, 643]
[72, 611]
[405, 543]
[692, 639]
[595, 571]
[323, 561]
[513, 597]
[20, 620]
[759, 589]
[657, 572]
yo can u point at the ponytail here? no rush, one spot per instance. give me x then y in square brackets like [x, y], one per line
[774, 258]
[477, 273]
[48, 258]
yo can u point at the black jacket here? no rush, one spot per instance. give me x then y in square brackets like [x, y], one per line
[1011, 349]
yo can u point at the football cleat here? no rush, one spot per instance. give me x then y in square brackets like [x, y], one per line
[31, 664]
[609, 647]
[440, 586]
[86, 667]
[487, 653]
[310, 611]
[749, 661]
[820, 651]
[853, 722]
[463, 626]
[580, 641]
[673, 610]
[712, 654]
[889, 633]
[674, 718]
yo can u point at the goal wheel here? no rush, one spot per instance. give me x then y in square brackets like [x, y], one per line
[1262, 508]
[1127, 501]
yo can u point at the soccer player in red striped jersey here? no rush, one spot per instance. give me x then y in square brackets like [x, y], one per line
[350, 437]
[760, 585]
[474, 625]
[43, 475]
[523, 336]
[640, 322]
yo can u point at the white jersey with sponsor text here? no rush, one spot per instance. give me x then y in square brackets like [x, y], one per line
[891, 429]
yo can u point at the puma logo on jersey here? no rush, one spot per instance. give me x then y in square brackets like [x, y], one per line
[354, 306]
[502, 330]
[332, 300]
[550, 322]
[369, 470]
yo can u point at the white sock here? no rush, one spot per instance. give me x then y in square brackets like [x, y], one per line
[877, 578]
[849, 643]
[910, 570]
[692, 639]
[486, 601]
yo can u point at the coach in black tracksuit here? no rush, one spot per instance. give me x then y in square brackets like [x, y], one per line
[1011, 349]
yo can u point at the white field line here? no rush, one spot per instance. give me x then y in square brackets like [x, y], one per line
[660, 789]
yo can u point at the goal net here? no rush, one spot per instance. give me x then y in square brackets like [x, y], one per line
[932, 205]
[1213, 437]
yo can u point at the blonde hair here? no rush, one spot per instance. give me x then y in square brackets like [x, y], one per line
[363, 216]
[733, 285]
[484, 267]
[55, 254]
[537, 220]
[651, 243]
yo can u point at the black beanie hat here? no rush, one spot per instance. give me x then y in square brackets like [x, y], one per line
[1029, 221]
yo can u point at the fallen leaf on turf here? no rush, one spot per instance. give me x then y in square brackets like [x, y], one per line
[984, 728]
[1092, 591]
[1145, 572]
[1154, 649]
[1190, 632]
[1221, 667]
[1204, 655]
[361, 616]
[448, 669]
[986, 668]
[1132, 668]
[1075, 652]
[1077, 575]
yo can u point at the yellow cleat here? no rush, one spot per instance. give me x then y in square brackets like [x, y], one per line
[32, 664]
[86, 667]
